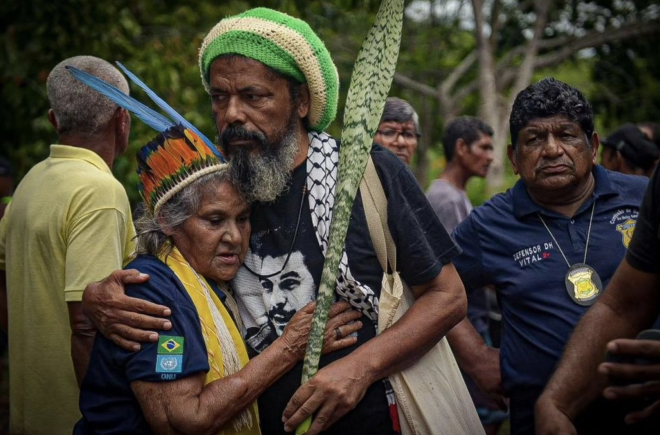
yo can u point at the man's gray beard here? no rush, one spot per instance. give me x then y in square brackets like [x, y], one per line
[265, 175]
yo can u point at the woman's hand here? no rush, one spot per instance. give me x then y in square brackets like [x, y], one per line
[342, 322]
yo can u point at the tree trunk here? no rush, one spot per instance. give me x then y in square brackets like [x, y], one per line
[499, 118]
[427, 118]
[496, 173]
[489, 107]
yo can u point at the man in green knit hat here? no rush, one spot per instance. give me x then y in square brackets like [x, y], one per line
[294, 58]
[274, 89]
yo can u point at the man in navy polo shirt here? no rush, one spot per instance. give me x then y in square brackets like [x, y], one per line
[631, 304]
[548, 245]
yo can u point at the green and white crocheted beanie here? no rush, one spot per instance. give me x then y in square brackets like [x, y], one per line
[284, 43]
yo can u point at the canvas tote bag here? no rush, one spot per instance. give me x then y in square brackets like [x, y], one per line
[431, 395]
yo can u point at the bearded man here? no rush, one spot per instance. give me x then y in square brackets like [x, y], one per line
[274, 90]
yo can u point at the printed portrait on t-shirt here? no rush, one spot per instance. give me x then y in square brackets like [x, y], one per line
[270, 297]
[288, 291]
[296, 222]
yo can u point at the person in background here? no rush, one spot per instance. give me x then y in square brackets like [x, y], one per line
[468, 145]
[398, 130]
[652, 131]
[629, 151]
[69, 223]
[548, 245]
[629, 379]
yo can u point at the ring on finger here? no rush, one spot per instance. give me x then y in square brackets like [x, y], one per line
[338, 334]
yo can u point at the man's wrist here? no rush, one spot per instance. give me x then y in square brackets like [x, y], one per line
[549, 400]
[479, 359]
[368, 365]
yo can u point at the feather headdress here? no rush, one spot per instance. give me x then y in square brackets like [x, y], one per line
[175, 158]
[170, 162]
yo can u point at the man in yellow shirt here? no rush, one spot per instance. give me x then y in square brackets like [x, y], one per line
[69, 223]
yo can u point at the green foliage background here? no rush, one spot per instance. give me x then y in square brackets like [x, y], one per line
[158, 40]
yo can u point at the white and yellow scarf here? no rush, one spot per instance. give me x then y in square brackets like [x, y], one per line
[224, 345]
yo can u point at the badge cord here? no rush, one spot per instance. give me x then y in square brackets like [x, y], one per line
[586, 249]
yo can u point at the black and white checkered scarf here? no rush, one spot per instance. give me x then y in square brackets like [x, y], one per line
[322, 163]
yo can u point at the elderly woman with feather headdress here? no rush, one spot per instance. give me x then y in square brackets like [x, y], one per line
[191, 240]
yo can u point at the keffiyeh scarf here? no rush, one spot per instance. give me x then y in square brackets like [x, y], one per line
[322, 163]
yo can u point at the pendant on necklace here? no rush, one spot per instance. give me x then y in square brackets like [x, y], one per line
[583, 284]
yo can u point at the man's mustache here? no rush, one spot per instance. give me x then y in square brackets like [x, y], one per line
[237, 132]
[545, 165]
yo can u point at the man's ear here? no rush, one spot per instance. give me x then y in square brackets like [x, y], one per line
[122, 127]
[304, 102]
[52, 119]
[595, 143]
[511, 153]
[462, 148]
[123, 120]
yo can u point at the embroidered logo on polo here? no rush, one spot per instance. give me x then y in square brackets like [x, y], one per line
[626, 229]
[170, 354]
[624, 222]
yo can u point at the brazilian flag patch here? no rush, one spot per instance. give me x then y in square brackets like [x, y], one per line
[170, 345]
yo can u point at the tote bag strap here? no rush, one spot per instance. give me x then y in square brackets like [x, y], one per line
[375, 210]
[431, 395]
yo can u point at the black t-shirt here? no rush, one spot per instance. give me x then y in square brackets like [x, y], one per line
[423, 247]
[644, 250]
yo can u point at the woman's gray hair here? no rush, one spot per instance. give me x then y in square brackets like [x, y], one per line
[151, 237]
[399, 110]
[77, 107]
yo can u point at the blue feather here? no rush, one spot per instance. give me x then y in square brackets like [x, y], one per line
[150, 117]
[168, 109]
